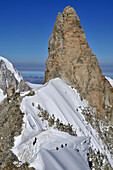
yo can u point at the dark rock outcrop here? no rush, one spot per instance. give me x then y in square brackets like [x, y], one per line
[71, 59]
[8, 78]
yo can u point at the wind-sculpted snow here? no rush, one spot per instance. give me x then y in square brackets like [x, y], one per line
[65, 103]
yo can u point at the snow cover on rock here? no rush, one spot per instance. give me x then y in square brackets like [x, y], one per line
[110, 80]
[65, 103]
[12, 69]
[34, 86]
[2, 96]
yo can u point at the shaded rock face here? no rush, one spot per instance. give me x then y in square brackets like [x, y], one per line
[7, 79]
[71, 59]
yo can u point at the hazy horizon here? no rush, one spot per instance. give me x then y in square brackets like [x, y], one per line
[34, 72]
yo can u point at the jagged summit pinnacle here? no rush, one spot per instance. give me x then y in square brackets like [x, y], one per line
[71, 59]
[68, 10]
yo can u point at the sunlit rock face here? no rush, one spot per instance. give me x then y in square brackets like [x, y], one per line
[9, 76]
[71, 59]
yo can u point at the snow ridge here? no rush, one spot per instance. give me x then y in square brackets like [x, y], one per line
[65, 103]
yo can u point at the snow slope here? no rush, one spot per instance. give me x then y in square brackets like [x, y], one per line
[65, 103]
[110, 80]
[2, 96]
[43, 154]
[12, 69]
[66, 158]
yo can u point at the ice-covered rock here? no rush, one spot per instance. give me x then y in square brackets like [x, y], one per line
[9, 76]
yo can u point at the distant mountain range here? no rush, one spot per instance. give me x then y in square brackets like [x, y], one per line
[33, 73]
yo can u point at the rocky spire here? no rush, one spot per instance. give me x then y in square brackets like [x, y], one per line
[71, 59]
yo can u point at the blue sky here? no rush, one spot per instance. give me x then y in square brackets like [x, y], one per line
[26, 25]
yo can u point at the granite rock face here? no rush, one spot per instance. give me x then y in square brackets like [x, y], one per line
[8, 78]
[71, 59]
